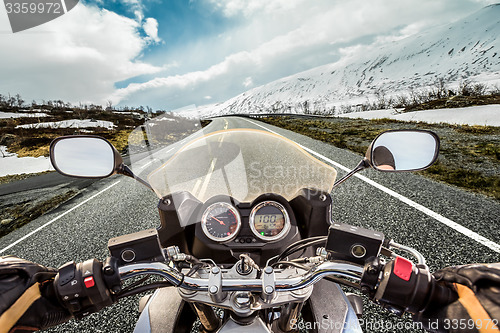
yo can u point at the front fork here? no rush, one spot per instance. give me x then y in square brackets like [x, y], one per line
[289, 316]
[208, 318]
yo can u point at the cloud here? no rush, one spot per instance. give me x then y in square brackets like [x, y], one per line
[136, 7]
[248, 82]
[77, 57]
[233, 8]
[281, 38]
[84, 53]
[150, 27]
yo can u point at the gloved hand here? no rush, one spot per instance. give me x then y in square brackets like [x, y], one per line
[27, 299]
[478, 306]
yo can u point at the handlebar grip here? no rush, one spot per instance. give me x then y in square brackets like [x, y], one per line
[440, 296]
[404, 287]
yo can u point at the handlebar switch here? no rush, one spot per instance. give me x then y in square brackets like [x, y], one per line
[69, 287]
[402, 286]
[371, 275]
[111, 274]
[81, 288]
[67, 272]
[405, 287]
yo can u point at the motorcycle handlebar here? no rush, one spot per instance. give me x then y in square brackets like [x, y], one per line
[400, 285]
[254, 285]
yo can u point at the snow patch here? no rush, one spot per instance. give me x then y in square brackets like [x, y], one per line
[6, 115]
[10, 164]
[72, 123]
[484, 115]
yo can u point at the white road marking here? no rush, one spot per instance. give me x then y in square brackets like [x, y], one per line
[56, 218]
[151, 158]
[145, 165]
[446, 221]
[207, 179]
[211, 169]
[196, 186]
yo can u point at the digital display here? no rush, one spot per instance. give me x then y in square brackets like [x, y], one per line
[270, 218]
[269, 221]
[269, 224]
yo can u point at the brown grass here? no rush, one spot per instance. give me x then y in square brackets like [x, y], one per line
[469, 155]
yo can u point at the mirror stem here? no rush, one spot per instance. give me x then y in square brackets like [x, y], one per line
[125, 170]
[364, 164]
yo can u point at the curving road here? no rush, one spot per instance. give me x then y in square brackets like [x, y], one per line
[447, 225]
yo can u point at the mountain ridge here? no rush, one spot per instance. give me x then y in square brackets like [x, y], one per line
[465, 49]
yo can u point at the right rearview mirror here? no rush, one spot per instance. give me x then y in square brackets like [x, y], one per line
[403, 150]
[84, 156]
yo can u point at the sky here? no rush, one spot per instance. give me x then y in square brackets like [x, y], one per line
[173, 53]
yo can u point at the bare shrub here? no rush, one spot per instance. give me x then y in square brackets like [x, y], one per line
[495, 90]
[440, 88]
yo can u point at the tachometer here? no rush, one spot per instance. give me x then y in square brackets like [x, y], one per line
[269, 221]
[221, 222]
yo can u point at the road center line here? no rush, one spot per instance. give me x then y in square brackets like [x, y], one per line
[145, 165]
[56, 218]
[210, 171]
[151, 158]
[204, 187]
[446, 221]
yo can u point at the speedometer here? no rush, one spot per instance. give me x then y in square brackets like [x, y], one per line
[269, 221]
[221, 222]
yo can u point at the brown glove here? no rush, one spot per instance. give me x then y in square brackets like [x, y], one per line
[27, 299]
[478, 306]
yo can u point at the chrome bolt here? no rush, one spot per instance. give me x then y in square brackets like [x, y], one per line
[242, 300]
[321, 251]
[268, 270]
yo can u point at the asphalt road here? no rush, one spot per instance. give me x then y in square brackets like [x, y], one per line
[79, 229]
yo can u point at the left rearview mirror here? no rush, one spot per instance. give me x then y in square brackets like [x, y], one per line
[403, 150]
[84, 156]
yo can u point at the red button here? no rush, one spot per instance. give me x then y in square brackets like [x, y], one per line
[403, 268]
[89, 281]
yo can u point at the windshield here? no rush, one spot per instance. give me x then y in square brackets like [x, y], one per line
[176, 154]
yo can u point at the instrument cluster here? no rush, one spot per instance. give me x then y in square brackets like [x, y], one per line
[266, 220]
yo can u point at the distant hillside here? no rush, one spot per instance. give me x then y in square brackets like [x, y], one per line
[466, 49]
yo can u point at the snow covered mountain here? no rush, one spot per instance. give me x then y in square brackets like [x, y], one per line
[468, 48]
